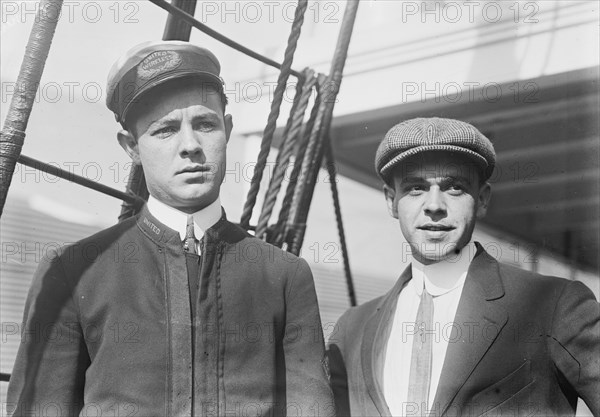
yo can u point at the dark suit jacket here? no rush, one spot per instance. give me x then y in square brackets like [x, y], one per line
[108, 329]
[521, 344]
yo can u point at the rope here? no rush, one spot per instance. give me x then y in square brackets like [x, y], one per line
[281, 231]
[77, 179]
[32, 67]
[274, 114]
[292, 129]
[223, 39]
[298, 208]
[338, 218]
[303, 198]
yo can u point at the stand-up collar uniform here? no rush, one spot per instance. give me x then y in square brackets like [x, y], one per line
[116, 310]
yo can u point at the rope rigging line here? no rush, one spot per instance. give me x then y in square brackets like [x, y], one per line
[330, 162]
[216, 35]
[133, 199]
[296, 219]
[305, 190]
[286, 142]
[290, 134]
[12, 136]
[265, 146]
[281, 233]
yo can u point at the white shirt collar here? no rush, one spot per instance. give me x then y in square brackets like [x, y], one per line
[177, 220]
[444, 276]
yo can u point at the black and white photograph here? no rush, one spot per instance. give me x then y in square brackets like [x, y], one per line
[304, 208]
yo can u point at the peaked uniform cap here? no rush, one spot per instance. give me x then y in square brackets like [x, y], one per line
[150, 64]
[419, 135]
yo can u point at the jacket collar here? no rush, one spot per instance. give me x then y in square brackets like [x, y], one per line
[154, 229]
[374, 342]
[177, 220]
[162, 235]
[479, 319]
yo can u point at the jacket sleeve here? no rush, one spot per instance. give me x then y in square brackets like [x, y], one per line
[49, 372]
[575, 341]
[307, 379]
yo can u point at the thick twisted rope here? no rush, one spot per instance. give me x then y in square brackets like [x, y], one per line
[298, 206]
[281, 231]
[306, 185]
[290, 134]
[32, 67]
[274, 114]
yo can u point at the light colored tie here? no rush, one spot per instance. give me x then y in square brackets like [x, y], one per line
[420, 365]
[189, 245]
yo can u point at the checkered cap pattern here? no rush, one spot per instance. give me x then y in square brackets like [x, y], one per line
[433, 134]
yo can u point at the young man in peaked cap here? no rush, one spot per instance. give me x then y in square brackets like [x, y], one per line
[175, 312]
[460, 333]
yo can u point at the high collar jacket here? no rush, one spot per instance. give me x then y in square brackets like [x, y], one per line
[521, 344]
[108, 329]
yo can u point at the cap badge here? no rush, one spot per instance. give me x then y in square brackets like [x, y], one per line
[158, 62]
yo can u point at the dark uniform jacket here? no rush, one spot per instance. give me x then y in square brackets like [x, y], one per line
[521, 344]
[107, 329]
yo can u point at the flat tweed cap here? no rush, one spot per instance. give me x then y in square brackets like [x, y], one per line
[433, 134]
[150, 64]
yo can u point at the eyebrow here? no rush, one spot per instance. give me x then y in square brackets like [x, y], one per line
[211, 116]
[444, 180]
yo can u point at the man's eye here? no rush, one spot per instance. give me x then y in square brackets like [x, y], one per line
[456, 189]
[164, 131]
[415, 189]
[206, 126]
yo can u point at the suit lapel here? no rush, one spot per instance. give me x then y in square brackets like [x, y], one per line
[478, 322]
[374, 343]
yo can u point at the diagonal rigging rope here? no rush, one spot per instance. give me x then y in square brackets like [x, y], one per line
[291, 132]
[274, 114]
[330, 162]
[282, 231]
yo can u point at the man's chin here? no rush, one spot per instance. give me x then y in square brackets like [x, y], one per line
[428, 253]
[196, 201]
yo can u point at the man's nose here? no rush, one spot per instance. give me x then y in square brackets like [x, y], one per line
[435, 203]
[189, 141]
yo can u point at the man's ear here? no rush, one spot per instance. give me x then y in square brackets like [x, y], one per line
[483, 199]
[390, 196]
[129, 143]
[228, 126]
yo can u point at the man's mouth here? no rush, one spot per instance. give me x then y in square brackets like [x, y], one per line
[194, 168]
[436, 228]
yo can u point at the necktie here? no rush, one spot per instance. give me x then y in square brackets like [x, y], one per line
[420, 366]
[189, 245]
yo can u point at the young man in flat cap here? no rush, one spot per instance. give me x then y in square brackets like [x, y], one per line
[460, 333]
[176, 312]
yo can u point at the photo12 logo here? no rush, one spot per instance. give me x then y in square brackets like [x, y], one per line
[267, 11]
[71, 11]
[469, 11]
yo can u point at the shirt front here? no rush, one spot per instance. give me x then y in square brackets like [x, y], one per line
[444, 280]
[177, 220]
